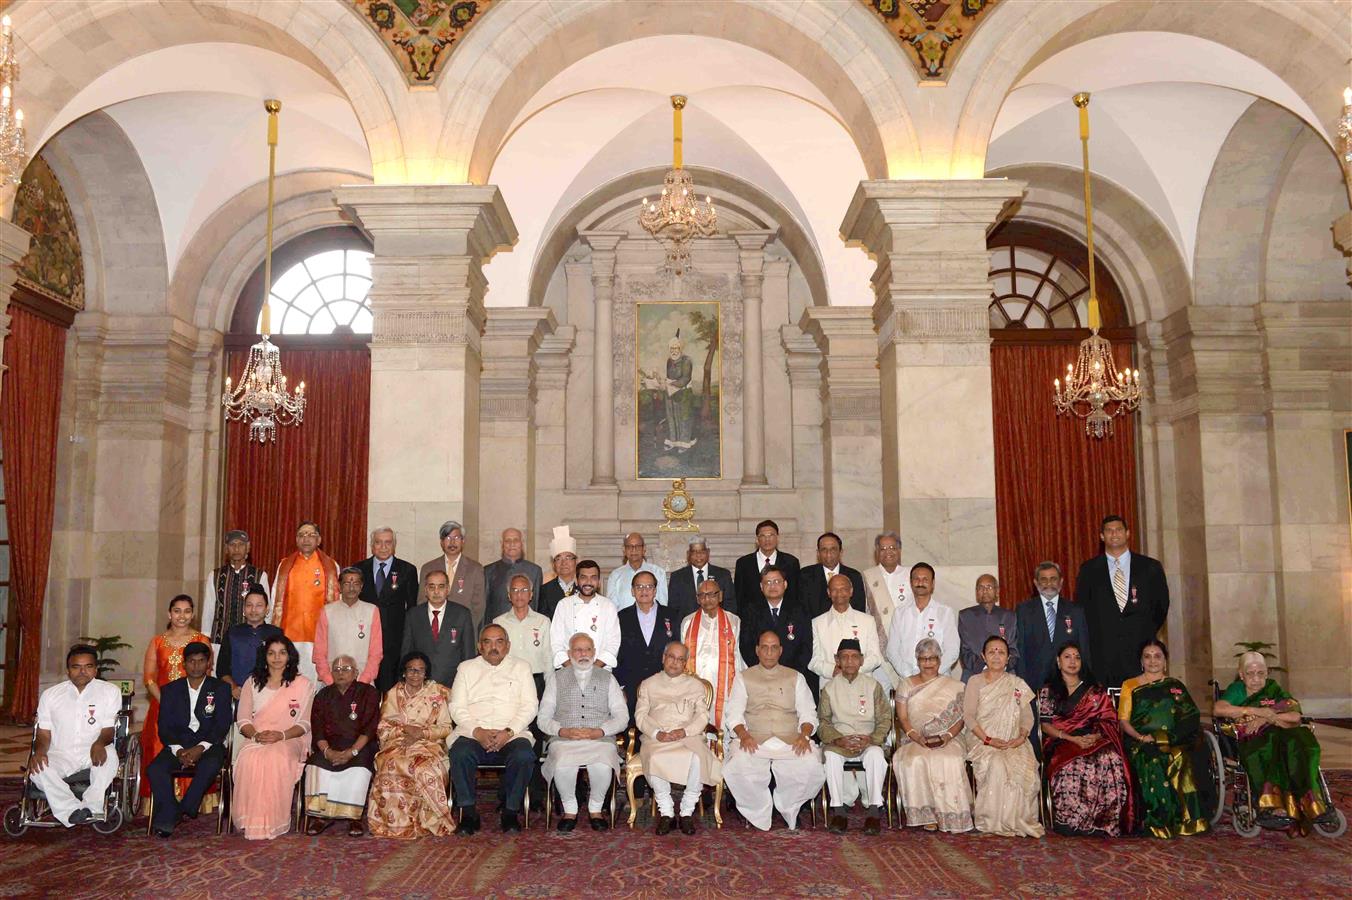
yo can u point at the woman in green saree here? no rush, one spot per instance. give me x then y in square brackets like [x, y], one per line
[1280, 757]
[1158, 713]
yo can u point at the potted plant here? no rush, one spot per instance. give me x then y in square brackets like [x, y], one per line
[103, 646]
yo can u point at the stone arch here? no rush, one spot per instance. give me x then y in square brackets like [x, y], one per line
[64, 49]
[506, 58]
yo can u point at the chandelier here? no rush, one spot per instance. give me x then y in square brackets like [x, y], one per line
[13, 155]
[262, 397]
[678, 216]
[1345, 128]
[1095, 390]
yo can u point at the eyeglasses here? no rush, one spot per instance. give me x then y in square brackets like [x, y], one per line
[927, 659]
[774, 581]
[344, 668]
[524, 590]
[415, 671]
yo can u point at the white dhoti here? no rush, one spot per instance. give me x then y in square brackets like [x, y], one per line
[844, 788]
[61, 763]
[561, 765]
[336, 795]
[797, 780]
[689, 799]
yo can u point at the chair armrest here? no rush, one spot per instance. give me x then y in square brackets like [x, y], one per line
[633, 741]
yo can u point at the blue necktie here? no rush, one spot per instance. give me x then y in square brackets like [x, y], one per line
[380, 579]
[1051, 620]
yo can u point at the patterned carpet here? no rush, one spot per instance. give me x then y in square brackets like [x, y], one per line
[734, 862]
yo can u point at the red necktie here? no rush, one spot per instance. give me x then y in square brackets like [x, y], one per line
[436, 624]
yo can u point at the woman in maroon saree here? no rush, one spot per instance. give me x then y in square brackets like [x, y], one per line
[1086, 765]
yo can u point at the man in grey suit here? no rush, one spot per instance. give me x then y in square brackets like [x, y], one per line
[442, 630]
[498, 575]
[465, 576]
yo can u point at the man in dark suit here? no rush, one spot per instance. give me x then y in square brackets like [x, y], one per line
[686, 580]
[194, 721]
[747, 577]
[775, 612]
[645, 630]
[499, 573]
[1037, 641]
[563, 557]
[465, 576]
[1125, 598]
[392, 585]
[442, 630]
[812, 581]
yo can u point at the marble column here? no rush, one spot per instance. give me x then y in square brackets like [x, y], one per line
[751, 265]
[553, 365]
[928, 239]
[427, 291]
[603, 244]
[13, 246]
[507, 423]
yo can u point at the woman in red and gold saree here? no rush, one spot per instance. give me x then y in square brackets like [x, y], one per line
[408, 795]
[274, 717]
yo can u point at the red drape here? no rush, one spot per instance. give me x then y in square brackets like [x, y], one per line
[30, 406]
[1053, 483]
[316, 470]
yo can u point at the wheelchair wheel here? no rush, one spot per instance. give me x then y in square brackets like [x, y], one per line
[15, 826]
[131, 778]
[1218, 773]
[1336, 829]
[111, 823]
[1245, 820]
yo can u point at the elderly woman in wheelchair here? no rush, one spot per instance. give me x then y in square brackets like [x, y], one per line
[1278, 752]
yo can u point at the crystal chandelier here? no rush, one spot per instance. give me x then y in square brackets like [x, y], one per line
[677, 216]
[1345, 128]
[262, 397]
[1095, 390]
[13, 154]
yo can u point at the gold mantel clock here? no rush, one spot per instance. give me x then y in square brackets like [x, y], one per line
[679, 508]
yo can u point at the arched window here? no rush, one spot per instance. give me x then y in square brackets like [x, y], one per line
[1039, 281]
[320, 286]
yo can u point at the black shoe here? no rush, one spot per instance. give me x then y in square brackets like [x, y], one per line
[469, 823]
[873, 825]
[663, 825]
[838, 825]
[191, 817]
[599, 824]
[511, 822]
[81, 816]
[687, 825]
[566, 825]
[164, 833]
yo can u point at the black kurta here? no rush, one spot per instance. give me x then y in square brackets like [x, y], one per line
[331, 720]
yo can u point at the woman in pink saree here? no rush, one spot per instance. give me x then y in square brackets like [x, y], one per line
[274, 717]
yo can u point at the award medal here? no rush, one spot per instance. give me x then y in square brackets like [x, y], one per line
[931, 628]
[91, 714]
[535, 634]
[210, 706]
[863, 705]
[855, 629]
[1133, 594]
[1068, 629]
[244, 588]
[667, 622]
[455, 632]
[295, 708]
[353, 714]
[1002, 631]
[361, 631]
[593, 624]
[791, 635]
[394, 580]
[319, 575]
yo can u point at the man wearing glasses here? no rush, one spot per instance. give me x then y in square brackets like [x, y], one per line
[350, 628]
[784, 617]
[444, 631]
[711, 636]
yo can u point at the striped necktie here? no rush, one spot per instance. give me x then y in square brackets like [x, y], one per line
[1051, 619]
[1120, 585]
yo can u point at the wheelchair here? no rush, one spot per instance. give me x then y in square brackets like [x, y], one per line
[119, 806]
[1229, 771]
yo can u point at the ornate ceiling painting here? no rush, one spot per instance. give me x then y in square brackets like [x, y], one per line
[53, 265]
[931, 31]
[421, 33]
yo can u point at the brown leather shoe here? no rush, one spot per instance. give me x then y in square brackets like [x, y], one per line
[872, 825]
[663, 825]
[687, 825]
[838, 825]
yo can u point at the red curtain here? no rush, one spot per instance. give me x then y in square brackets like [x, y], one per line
[316, 470]
[30, 407]
[1053, 483]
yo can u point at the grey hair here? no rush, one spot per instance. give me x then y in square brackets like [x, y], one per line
[1048, 564]
[447, 527]
[1247, 657]
[343, 656]
[886, 534]
[698, 542]
[383, 529]
[928, 647]
[352, 570]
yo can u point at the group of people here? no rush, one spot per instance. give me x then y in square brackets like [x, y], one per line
[774, 678]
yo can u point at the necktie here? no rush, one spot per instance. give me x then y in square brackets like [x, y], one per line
[774, 610]
[699, 577]
[1051, 620]
[766, 566]
[1119, 585]
[380, 578]
[436, 624]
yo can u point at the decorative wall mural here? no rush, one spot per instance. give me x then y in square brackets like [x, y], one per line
[421, 33]
[931, 30]
[53, 266]
[678, 390]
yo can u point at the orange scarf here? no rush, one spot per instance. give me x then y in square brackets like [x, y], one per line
[727, 663]
[297, 602]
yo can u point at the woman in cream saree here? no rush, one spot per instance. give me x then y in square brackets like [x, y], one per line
[998, 710]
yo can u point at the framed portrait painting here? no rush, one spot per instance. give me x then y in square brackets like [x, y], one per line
[678, 385]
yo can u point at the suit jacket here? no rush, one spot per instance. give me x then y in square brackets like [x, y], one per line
[747, 581]
[1116, 636]
[400, 594]
[1037, 654]
[213, 727]
[497, 576]
[756, 618]
[681, 590]
[467, 589]
[812, 589]
[457, 639]
[639, 659]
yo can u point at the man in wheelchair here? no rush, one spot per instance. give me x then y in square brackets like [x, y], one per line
[76, 725]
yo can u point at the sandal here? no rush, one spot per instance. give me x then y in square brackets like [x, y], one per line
[356, 828]
[317, 826]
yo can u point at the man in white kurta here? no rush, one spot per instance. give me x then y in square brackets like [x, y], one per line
[712, 636]
[582, 710]
[921, 617]
[350, 627]
[671, 715]
[843, 622]
[854, 719]
[77, 720]
[589, 613]
[528, 631]
[770, 717]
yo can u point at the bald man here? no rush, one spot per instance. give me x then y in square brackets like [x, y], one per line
[498, 574]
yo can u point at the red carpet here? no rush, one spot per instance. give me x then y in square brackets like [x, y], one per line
[733, 862]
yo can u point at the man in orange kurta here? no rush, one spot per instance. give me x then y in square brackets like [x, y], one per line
[306, 580]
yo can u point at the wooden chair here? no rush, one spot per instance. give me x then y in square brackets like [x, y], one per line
[891, 794]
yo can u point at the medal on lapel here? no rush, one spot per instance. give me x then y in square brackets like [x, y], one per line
[244, 588]
[1068, 625]
[361, 631]
[931, 628]
[353, 714]
[210, 706]
[455, 632]
[460, 585]
[319, 575]
[535, 633]
[394, 580]
[855, 629]
[593, 625]
[1002, 631]
[791, 635]
[91, 714]
[295, 708]
[667, 622]
[863, 704]
[1133, 593]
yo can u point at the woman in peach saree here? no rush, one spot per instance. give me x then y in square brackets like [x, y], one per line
[274, 718]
